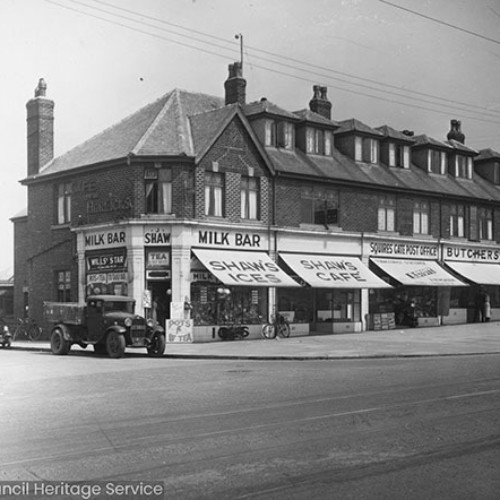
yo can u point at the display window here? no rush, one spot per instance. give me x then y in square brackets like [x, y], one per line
[338, 305]
[417, 301]
[296, 304]
[217, 304]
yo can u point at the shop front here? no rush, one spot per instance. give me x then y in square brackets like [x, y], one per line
[331, 302]
[480, 267]
[233, 279]
[421, 290]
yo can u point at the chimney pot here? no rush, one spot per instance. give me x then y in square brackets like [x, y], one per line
[235, 85]
[455, 132]
[320, 103]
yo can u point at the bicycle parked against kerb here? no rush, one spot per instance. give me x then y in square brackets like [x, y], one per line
[278, 327]
[27, 328]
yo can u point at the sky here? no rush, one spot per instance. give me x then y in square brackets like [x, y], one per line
[410, 65]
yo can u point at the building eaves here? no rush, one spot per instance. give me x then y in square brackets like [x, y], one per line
[306, 115]
[487, 154]
[461, 147]
[390, 133]
[426, 141]
[353, 125]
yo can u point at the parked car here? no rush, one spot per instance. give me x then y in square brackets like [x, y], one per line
[107, 322]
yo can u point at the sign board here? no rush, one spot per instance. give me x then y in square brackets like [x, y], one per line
[179, 330]
[471, 254]
[402, 249]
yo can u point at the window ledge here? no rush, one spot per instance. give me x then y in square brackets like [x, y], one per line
[321, 228]
[67, 225]
[388, 233]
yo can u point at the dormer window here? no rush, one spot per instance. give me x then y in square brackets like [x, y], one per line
[436, 162]
[366, 149]
[318, 141]
[462, 167]
[399, 155]
[287, 135]
[270, 133]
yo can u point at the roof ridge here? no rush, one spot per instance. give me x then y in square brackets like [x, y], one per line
[154, 122]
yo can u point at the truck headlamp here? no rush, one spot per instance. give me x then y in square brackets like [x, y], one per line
[128, 322]
[150, 323]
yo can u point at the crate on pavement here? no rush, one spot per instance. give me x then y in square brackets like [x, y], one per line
[64, 312]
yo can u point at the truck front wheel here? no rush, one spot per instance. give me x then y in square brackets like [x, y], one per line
[58, 344]
[115, 345]
[157, 346]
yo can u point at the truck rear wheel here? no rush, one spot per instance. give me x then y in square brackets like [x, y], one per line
[157, 346]
[58, 344]
[115, 345]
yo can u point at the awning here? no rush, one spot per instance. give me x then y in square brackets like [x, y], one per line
[482, 274]
[328, 271]
[417, 272]
[244, 268]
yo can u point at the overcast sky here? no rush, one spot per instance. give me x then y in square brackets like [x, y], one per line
[382, 64]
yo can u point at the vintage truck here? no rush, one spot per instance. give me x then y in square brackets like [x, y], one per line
[107, 322]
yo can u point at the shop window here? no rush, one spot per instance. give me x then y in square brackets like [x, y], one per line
[387, 213]
[338, 305]
[319, 207]
[421, 217]
[457, 221]
[158, 190]
[63, 280]
[485, 223]
[249, 198]
[214, 194]
[215, 304]
[366, 149]
[64, 203]
[296, 304]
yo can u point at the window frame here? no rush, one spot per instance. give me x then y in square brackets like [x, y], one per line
[320, 207]
[421, 217]
[485, 223]
[63, 285]
[457, 221]
[250, 197]
[386, 206]
[158, 201]
[63, 203]
[214, 194]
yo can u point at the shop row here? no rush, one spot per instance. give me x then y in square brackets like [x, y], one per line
[389, 283]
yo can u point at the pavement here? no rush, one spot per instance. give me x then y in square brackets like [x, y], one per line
[456, 340]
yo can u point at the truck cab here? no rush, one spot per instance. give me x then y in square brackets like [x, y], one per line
[108, 322]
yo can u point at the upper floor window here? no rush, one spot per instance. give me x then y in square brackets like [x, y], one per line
[249, 198]
[420, 217]
[214, 194]
[320, 207]
[366, 149]
[399, 155]
[387, 213]
[485, 223]
[457, 221]
[270, 133]
[63, 280]
[318, 141]
[463, 167]
[64, 203]
[287, 135]
[158, 190]
[436, 162]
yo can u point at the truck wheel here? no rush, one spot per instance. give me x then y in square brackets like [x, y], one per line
[58, 344]
[115, 345]
[157, 346]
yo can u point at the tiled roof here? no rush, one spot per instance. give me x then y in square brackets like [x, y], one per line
[487, 154]
[353, 125]
[339, 167]
[265, 106]
[160, 128]
[461, 147]
[391, 133]
[310, 116]
[424, 140]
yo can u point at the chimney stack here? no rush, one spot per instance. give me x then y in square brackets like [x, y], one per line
[320, 103]
[40, 124]
[235, 85]
[455, 132]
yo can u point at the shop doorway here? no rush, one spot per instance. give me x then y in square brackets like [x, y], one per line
[160, 300]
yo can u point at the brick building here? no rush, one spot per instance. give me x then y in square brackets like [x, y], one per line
[236, 209]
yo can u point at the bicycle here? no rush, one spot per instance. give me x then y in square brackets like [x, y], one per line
[278, 327]
[27, 328]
